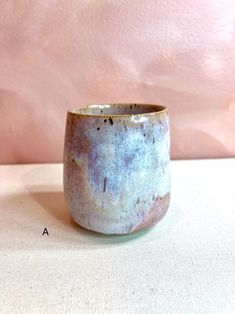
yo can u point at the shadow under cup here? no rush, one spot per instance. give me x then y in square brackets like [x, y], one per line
[116, 166]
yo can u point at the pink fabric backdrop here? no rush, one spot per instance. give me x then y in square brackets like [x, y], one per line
[55, 55]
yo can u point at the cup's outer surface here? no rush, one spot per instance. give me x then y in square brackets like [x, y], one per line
[116, 171]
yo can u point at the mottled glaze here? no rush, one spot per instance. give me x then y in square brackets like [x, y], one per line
[116, 166]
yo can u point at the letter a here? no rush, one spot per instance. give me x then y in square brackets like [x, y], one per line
[45, 232]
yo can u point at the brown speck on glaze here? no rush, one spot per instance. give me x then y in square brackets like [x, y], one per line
[105, 184]
[111, 121]
[130, 106]
[98, 129]
[105, 120]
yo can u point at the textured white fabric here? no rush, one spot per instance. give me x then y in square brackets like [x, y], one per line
[185, 264]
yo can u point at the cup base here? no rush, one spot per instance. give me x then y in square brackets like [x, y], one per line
[153, 216]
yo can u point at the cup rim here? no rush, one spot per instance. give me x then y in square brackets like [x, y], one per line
[159, 110]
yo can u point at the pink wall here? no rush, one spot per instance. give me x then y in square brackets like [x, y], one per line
[55, 55]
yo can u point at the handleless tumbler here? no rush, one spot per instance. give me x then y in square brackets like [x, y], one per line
[116, 166]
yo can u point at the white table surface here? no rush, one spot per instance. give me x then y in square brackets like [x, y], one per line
[185, 264]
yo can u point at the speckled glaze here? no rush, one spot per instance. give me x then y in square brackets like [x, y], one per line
[116, 166]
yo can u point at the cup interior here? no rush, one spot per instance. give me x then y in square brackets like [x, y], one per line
[118, 109]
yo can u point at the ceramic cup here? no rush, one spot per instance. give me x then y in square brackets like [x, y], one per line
[116, 166]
